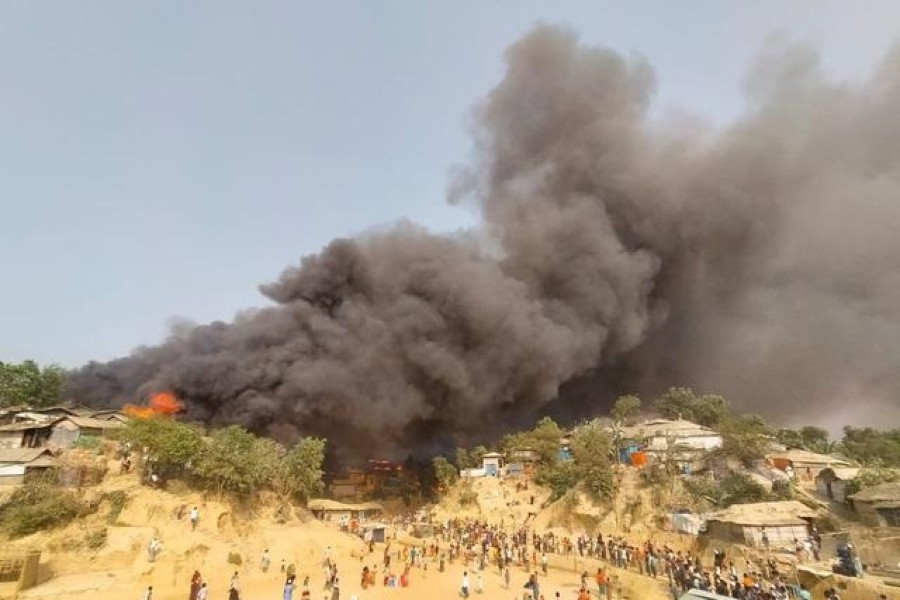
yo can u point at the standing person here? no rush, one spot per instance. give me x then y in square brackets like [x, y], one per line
[544, 562]
[148, 593]
[265, 561]
[288, 592]
[234, 588]
[465, 584]
[195, 585]
[479, 583]
[336, 588]
[195, 518]
[203, 593]
[153, 549]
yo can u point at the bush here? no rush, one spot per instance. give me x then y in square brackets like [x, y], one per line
[468, 496]
[117, 501]
[234, 558]
[560, 478]
[87, 442]
[96, 539]
[35, 507]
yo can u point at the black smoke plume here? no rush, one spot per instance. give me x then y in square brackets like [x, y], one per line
[619, 252]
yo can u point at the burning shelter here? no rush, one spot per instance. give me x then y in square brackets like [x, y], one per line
[879, 504]
[775, 523]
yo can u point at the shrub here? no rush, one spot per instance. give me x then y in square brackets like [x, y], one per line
[87, 442]
[560, 478]
[234, 558]
[96, 539]
[35, 507]
[117, 501]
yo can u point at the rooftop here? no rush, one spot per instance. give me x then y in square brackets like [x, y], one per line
[805, 456]
[666, 427]
[22, 455]
[885, 492]
[788, 512]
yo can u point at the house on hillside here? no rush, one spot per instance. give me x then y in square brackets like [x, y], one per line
[492, 464]
[832, 482]
[111, 414]
[17, 465]
[66, 431]
[352, 514]
[804, 466]
[685, 441]
[28, 434]
[50, 412]
[775, 524]
[879, 504]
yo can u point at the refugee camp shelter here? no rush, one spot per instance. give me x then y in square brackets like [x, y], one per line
[332, 510]
[377, 532]
[804, 464]
[66, 431]
[492, 463]
[20, 464]
[25, 434]
[779, 522]
[657, 437]
[110, 415]
[832, 482]
[879, 504]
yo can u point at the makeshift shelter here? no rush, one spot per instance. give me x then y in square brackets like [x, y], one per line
[832, 482]
[17, 465]
[492, 463]
[376, 532]
[879, 504]
[332, 510]
[659, 437]
[761, 523]
[68, 430]
[25, 434]
[805, 465]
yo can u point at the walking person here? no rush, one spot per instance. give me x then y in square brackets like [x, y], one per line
[203, 593]
[153, 549]
[234, 588]
[195, 518]
[148, 593]
[265, 561]
[196, 580]
[465, 584]
[506, 577]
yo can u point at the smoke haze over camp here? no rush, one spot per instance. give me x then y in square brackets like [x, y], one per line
[618, 252]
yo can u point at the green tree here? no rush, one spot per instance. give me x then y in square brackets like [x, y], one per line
[872, 447]
[303, 464]
[745, 438]
[445, 473]
[27, 384]
[869, 478]
[708, 410]
[543, 440]
[470, 459]
[171, 444]
[592, 449]
[235, 460]
[625, 408]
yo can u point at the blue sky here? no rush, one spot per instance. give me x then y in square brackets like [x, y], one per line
[161, 159]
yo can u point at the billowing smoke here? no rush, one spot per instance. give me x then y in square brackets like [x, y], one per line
[619, 252]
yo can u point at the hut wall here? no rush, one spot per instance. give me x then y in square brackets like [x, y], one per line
[779, 535]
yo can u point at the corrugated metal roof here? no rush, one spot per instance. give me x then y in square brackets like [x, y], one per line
[27, 425]
[805, 456]
[90, 423]
[22, 455]
[885, 492]
[788, 512]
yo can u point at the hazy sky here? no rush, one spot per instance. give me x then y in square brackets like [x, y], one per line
[161, 159]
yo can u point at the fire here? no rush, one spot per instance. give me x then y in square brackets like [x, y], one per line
[161, 404]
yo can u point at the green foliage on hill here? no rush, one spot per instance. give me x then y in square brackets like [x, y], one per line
[871, 446]
[37, 506]
[28, 384]
[708, 410]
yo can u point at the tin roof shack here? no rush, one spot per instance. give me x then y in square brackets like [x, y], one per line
[332, 510]
[657, 437]
[67, 431]
[492, 464]
[110, 415]
[879, 505]
[805, 465]
[832, 482]
[18, 465]
[25, 435]
[752, 524]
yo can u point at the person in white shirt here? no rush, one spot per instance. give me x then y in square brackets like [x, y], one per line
[465, 584]
[195, 518]
[203, 592]
[148, 594]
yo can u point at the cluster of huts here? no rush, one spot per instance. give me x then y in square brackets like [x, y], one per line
[31, 439]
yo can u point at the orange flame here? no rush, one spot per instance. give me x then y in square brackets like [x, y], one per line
[162, 404]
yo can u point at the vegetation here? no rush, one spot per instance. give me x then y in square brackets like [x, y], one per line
[235, 558]
[625, 408]
[592, 449]
[543, 440]
[746, 438]
[171, 444]
[117, 500]
[871, 447]
[870, 478]
[445, 473]
[37, 506]
[736, 488]
[468, 496]
[708, 410]
[27, 384]
[814, 439]
[469, 459]
[96, 539]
